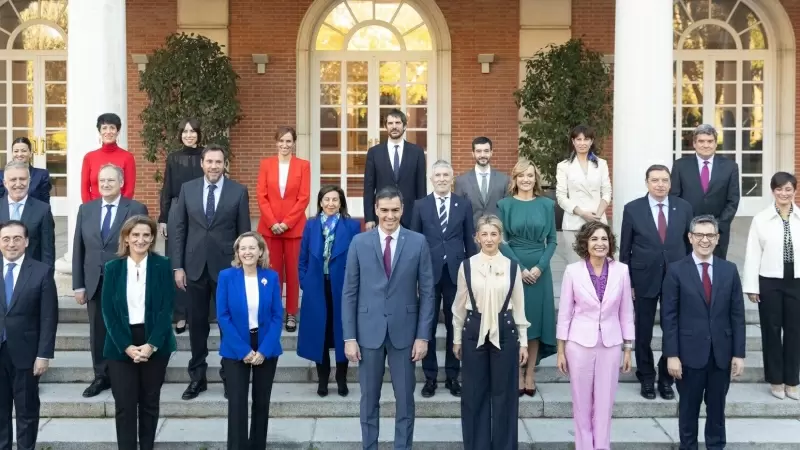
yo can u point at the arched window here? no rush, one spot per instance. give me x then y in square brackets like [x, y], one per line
[33, 25]
[377, 26]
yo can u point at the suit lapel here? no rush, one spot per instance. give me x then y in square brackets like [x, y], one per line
[387, 160]
[647, 214]
[401, 240]
[4, 208]
[612, 281]
[578, 178]
[119, 218]
[673, 232]
[495, 184]
[316, 241]
[24, 274]
[694, 277]
[716, 275]
[339, 238]
[586, 281]
[26, 210]
[196, 196]
[376, 242]
[718, 165]
[472, 179]
[224, 196]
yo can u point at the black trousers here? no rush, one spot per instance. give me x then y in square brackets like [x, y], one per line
[779, 311]
[324, 369]
[445, 292]
[645, 318]
[180, 306]
[200, 294]
[18, 387]
[238, 383]
[710, 384]
[97, 332]
[721, 250]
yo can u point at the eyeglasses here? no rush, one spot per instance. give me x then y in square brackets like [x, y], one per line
[15, 239]
[702, 236]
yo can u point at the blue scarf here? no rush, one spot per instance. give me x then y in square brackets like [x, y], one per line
[328, 233]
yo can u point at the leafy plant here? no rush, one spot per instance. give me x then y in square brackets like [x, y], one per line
[189, 76]
[565, 85]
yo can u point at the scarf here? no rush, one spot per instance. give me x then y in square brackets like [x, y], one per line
[328, 233]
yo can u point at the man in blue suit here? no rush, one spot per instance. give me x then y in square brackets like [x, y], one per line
[387, 310]
[654, 234]
[445, 220]
[702, 315]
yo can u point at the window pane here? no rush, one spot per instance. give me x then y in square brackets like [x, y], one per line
[680, 20]
[419, 39]
[361, 9]
[710, 37]
[726, 140]
[55, 94]
[330, 71]
[357, 94]
[22, 117]
[330, 94]
[692, 71]
[698, 9]
[329, 118]
[55, 117]
[751, 186]
[22, 93]
[752, 117]
[406, 19]
[725, 94]
[726, 70]
[356, 162]
[753, 94]
[57, 163]
[417, 72]
[374, 37]
[329, 39]
[721, 9]
[355, 186]
[39, 37]
[56, 141]
[22, 71]
[390, 94]
[418, 137]
[743, 18]
[725, 117]
[692, 94]
[417, 94]
[357, 71]
[384, 10]
[335, 181]
[417, 117]
[389, 71]
[59, 186]
[687, 140]
[55, 70]
[753, 70]
[752, 140]
[341, 19]
[330, 164]
[329, 141]
[357, 141]
[357, 117]
[752, 163]
[691, 117]
[755, 38]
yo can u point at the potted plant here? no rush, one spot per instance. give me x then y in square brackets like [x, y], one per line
[565, 85]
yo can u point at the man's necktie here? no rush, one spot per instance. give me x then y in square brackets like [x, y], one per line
[707, 283]
[387, 257]
[105, 230]
[484, 186]
[443, 214]
[705, 177]
[9, 281]
[210, 203]
[662, 223]
[396, 163]
[15, 215]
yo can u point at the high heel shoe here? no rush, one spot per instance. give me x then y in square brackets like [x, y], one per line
[180, 330]
[530, 392]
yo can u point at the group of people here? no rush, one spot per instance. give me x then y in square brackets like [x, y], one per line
[477, 248]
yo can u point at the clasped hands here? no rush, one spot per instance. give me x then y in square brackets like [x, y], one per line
[139, 354]
[254, 358]
[675, 368]
[279, 228]
[531, 276]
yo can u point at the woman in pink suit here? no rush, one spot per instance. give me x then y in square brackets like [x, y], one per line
[595, 319]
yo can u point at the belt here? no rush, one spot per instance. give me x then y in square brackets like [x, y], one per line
[253, 330]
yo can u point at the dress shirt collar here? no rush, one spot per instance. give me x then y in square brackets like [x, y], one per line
[218, 184]
[132, 264]
[115, 202]
[654, 203]
[18, 263]
[440, 197]
[383, 235]
[485, 258]
[792, 212]
[698, 261]
[391, 143]
[479, 170]
[701, 161]
[21, 202]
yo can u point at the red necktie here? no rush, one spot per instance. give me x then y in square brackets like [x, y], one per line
[662, 223]
[707, 283]
[387, 257]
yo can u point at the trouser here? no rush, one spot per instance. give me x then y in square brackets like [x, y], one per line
[18, 387]
[721, 250]
[200, 293]
[593, 379]
[710, 384]
[238, 384]
[284, 257]
[779, 310]
[324, 369]
[136, 388]
[569, 240]
[97, 332]
[445, 292]
[645, 316]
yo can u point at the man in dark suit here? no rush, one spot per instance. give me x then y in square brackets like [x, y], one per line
[702, 315]
[28, 322]
[654, 234]
[16, 204]
[96, 242]
[709, 182]
[483, 185]
[397, 163]
[445, 219]
[210, 214]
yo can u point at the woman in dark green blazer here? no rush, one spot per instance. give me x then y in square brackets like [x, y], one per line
[137, 301]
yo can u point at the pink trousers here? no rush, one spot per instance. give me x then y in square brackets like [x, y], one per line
[593, 377]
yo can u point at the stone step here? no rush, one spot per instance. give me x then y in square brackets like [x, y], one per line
[429, 434]
[75, 337]
[295, 400]
[75, 367]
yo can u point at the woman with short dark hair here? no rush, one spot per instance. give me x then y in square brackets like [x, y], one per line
[109, 126]
[39, 182]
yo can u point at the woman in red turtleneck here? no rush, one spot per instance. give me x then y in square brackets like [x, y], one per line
[108, 125]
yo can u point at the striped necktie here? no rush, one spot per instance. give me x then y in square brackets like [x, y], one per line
[443, 213]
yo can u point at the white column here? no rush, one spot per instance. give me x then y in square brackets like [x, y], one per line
[96, 84]
[642, 96]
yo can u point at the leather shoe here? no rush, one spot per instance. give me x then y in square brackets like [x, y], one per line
[454, 387]
[429, 389]
[195, 388]
[666, 392]
[648, 391]
[98, 385]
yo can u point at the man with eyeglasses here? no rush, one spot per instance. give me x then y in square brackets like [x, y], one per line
[653, 235]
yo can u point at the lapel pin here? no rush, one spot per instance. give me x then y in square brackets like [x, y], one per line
[456, 205]
[264, 281]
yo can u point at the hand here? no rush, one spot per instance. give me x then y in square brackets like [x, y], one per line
[457, 351]
[40, 367]
[419, 350]
[257, 359]
[588, 215]
[133, 352]
[145, 351]
[754, 298]
[80, 297]
[351, 351]
[626, 361]
[249, 358]
[523, 355]
[369, 225]
[561, 364]
[276, 229]
[162, 229]
[737, 366]
[527, 278]
[535, 274]
[180, 279]
[633, 294]
[674, 367]
[284, 227]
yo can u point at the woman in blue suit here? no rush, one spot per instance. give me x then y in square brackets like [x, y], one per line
[39, 183]
[323, 254]
[250, 316]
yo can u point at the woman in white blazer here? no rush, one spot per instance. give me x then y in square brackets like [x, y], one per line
[772, 279]
[583, 186]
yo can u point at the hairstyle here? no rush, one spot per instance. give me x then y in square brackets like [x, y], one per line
[388, 193]
[588, 133]
[118, 169]
[704, 129]
[581, 245]
[520, 167]
[192, 122]
[214, 148]
[656, 168]
[263, 261]
[780, 179]
[15, 223]
[23, 140]
[328, 188]
[481, 140]
[700, 220]
[109, 119]
[488, 219]
[140, 219]
[284, 130]
[397, 114]
[442, 163]
[17, 165]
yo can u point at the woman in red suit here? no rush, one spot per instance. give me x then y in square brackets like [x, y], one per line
[284, 189]
[109, 126]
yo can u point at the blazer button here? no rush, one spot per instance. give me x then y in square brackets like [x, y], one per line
[509, 322]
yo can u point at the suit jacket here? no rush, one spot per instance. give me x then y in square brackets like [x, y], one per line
[198, 243]
[378, 174]
[37, 216]
[466, 185]
[458, 240]
[159, 298]
[574, 189]
[581, 313]
[401, 305]
[722, 198]
[31, 320]
[90, 252]
[38, 187]
[289, 209]
[641, 248]
[233, 315]
[690, 326]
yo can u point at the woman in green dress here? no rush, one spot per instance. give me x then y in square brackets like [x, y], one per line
[530, 239]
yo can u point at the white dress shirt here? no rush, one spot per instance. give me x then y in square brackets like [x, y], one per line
[11, 204]
[654, 208]
[701, 162]
[104, 210]
[392, 243]
[390, 145]
[283, 176]
[217, 192]
[251, 291]
[136, 288]
[447, 200]
[478, 171]
[699, 264]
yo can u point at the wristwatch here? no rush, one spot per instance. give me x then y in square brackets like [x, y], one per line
[155, 349]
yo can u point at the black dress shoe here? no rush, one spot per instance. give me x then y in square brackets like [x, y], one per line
[454, 387]
[342, 389]
[195, 388]
[666, 392]
[429, 389]
[648, 391]
[98, 385]
[180, 330]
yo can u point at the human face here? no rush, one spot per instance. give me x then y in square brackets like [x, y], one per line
[13, 242]
[582, 144]
[784, 195]
[139, 240]
[658, 184]
[16, 182]
[705, 145]
[526, 180]
[285, 145]
[330, 203]
[489, 238]
[189, 136]
[395, 127]
[213, 165]
[109, 183]
[249, 252]
[108, 133]
[21, 153]
[703, 240]
[442, 179]
[482, 154]
[598, 244]
[389, 211]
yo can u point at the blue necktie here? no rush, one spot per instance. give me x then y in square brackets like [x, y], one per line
[210, 203]
[396, 165]
[106, 228]
[9, 281]
[15, 215]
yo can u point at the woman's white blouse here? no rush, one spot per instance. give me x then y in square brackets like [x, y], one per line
[251, 290]
[283, 176]
[136, 287]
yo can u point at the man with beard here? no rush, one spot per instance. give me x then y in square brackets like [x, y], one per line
[396, 163]
[483, 186]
